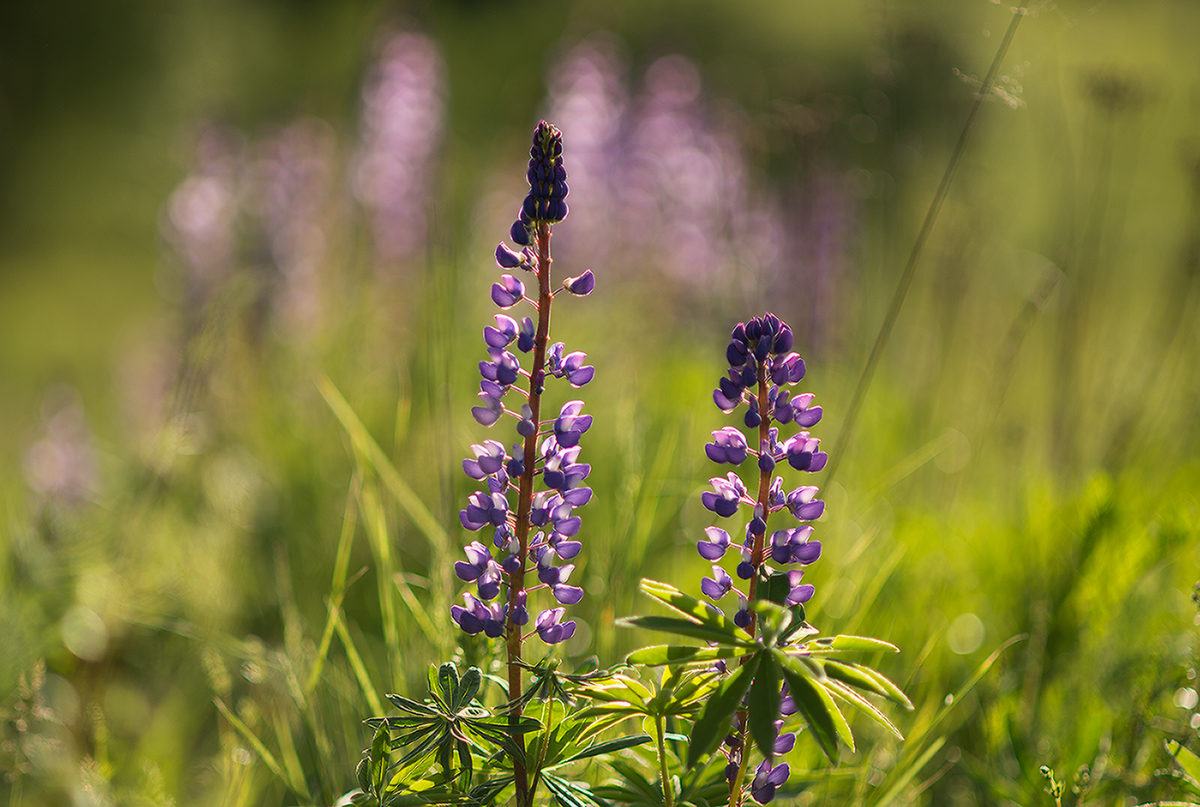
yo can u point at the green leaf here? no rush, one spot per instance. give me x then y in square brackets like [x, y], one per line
[694, 609]
[379, 761]
[619, 744]
[465, 763]
[683, 627]
[778, 587]
[447, 682]
[865, 678]
[713, 723]
[680, 654]
[405, 705]
[1186, 759]
[842, 643]
[811, 701]
[764, 706]
[773, 619]
[467, 689]
[636, 781]
[840, 690]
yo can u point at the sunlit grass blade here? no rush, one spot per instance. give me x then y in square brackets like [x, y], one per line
[267, 757]
[909, 773]
[338, 588]
[360, 669]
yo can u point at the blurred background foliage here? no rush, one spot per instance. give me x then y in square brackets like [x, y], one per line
[213, 563]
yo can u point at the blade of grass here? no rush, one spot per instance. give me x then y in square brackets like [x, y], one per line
[370, 452]
[259, 747]
[360, 669]
[910, 773]
[376, 523]
[338, 588]
[910, 268]
[287, 749]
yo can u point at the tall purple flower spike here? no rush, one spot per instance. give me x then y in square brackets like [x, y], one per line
[761, 367]
[532, 531]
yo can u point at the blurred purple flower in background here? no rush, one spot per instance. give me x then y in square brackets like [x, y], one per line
[293, 179]
[61, 465]
[202, 215]
[401, 130]
[665, 172]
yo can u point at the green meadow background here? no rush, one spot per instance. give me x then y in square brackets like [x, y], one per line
[223, 540]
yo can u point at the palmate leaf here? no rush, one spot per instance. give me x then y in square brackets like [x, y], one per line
[683, 627]
[713, 723]
[682, 654]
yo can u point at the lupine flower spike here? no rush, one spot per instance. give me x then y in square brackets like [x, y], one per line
[535, 530]
[761, 367]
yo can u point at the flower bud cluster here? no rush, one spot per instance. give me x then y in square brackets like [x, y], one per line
[761, 365]
[551, 446]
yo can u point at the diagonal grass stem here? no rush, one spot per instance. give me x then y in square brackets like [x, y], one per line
[910, 268]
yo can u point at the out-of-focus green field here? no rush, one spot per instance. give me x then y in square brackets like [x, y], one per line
[213, 486]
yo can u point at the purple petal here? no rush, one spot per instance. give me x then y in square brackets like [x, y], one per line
[568, 595]
[467, 572]
[507, 258]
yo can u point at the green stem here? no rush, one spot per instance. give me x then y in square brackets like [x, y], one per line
[664, 772]
[524, 507]
[757, 557]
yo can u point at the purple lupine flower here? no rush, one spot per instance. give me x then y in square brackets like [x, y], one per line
[489, 459]
[550, 627]
[718, 585]
[761, 366]
[293, 175]
[547, 177]
[479, 617]
[798, 593]
[728, 445]
[580, 286]
[61, 466]
[766, 779]
[726, 495]
[804, 505]
[571, 424]
[715, 543]
[508, 292]
[570, 366]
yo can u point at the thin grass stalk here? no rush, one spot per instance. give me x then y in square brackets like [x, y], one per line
[910, 268]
